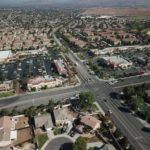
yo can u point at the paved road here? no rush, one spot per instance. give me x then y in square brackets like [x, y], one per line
[133, 81]
[128, 123]
[60, 143]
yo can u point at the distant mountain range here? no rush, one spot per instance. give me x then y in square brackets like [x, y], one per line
[77, 3]
[91, 3]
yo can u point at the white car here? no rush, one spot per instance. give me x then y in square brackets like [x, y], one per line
[113, 82]
[110, 111]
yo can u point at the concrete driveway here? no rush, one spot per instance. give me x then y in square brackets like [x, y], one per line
[59, 143]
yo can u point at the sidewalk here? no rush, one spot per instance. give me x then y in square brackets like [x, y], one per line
[144, 122]
[95, 145]
[100, 108]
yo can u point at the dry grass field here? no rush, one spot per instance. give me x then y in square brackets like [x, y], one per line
[145, 12]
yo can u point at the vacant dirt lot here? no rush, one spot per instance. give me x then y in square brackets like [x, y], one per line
[118, 11]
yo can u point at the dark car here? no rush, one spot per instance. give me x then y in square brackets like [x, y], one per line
[146, 129]
[72, 134]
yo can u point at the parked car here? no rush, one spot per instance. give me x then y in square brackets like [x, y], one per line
[110, 111]
[72, 134]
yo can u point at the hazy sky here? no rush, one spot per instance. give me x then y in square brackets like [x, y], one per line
[13, 2]
[28, 1]
[107, 2]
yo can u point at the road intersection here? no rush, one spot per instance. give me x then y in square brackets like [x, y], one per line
[127, 122]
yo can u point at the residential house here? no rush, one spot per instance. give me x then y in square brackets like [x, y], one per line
[23, 130]
[90, 121]
[7, 131]
[62, 115]
[80, 128]
[43, 121]
[108, 147]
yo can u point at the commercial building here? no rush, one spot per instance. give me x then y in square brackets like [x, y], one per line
[6, 86]
[61, 67]
[5, 131]
[5, 55]
[116, 61]
[42, 81]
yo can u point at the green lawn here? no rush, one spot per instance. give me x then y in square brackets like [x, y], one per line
[6, 94]
[81, 57]
[94, 106]
[57, 131]
[42, 139]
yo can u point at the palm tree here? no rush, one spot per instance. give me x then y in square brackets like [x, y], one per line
[50, 105]
[4, 112]
[117, 133]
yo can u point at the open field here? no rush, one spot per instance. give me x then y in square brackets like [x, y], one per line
[118, 11]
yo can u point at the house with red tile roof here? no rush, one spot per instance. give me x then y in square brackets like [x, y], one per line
[90, 121]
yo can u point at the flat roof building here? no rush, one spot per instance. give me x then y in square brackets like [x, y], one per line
[41, 81]
[61, 67]
[4, 55]
[117, 61]
[6, 85]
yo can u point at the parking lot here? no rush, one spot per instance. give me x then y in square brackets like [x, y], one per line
[33, 66]
[139, 59]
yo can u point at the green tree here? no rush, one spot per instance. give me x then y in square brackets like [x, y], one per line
[30, 112]
[91, 148]
[131, 148]
[14, 112]
[137, 103]
[80, 144]
[128, 92]
[50, 105]
[41, 107]
[103, 130]
[33, 89]
[86, 100]
[4, 112]
[111, 125]
[124, 142]
[117, 133]
[147, 114]
[16, 84]
[87, 129]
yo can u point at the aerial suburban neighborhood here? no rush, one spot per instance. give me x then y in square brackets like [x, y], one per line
[74, 76]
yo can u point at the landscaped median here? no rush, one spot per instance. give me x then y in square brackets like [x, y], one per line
[6, 94]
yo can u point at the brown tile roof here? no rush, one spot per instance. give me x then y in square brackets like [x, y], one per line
[5, 128]
[90, 121]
